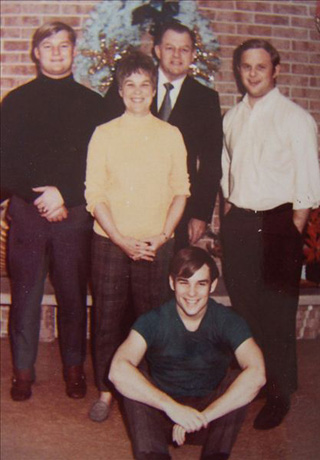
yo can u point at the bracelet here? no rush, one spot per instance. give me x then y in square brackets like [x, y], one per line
[165, 236]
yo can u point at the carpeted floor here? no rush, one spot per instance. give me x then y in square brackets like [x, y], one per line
[51, 426]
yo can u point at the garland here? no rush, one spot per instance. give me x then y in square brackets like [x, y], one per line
[116, 26]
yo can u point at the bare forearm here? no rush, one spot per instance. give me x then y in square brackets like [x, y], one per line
[104, 217]
[174, 214]
[126, 376]
[131, 383]
[300, 217]
[242, 391]
[246, 386]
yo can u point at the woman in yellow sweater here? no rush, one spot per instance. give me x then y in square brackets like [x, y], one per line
[136, 189]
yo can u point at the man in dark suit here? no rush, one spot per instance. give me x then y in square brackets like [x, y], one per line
[195, 110]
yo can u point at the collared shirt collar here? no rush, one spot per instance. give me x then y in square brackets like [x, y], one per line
[269, 96]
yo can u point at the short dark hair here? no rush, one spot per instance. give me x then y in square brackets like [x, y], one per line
[136, 62]
[189, 260]
[254, 43]
[176, 27]
[47, 30]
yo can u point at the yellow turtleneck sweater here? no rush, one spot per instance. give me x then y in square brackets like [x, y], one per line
[136, 165]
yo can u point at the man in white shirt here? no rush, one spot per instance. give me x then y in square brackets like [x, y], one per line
[270, 182]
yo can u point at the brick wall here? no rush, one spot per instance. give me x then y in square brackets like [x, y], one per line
[290, 27]
[19, 20]
[288, 24]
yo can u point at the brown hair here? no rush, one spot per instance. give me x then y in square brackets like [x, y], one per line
[189, 260]
[47, 30]
[254, 43]
[176, 27]
[136, 62]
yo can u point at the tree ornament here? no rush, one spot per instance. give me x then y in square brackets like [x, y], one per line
[118, 26]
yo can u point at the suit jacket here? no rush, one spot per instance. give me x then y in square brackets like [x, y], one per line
[197, 115]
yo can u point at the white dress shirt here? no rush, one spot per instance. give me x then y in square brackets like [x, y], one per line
[270, 155]
[161, 90]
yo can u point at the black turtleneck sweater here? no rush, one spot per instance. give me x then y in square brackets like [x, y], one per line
[46, 126]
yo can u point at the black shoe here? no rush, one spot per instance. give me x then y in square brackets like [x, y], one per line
[272, 414]
[217, 456]
[76, 386]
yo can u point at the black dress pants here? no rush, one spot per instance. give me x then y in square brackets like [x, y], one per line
[36, 246]
[151, 430]
[262, 259]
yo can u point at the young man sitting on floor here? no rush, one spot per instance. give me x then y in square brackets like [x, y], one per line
[188, 343]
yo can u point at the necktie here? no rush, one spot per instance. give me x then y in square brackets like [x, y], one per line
[165, 109]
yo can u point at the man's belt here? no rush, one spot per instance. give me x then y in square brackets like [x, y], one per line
[282, 208]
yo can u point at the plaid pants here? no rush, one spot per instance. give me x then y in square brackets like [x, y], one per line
[119, 282]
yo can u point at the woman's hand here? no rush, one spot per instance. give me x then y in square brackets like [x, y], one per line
[135, 249]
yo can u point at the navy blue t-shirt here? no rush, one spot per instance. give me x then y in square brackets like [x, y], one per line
[185, 363]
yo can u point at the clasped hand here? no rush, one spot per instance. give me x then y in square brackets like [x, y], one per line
[50, 203]
[141, 250]
[187, 420]
[196, 229]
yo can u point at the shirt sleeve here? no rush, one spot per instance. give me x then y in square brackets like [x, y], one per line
[303, 141]
[146, 326]
[225, 171]
[225, 160]
[179, 178]
[96, 177]
[233, 329]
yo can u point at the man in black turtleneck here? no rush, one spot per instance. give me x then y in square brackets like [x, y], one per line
[46, 127]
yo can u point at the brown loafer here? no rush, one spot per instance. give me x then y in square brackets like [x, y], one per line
[75, 379]
[21, 385]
